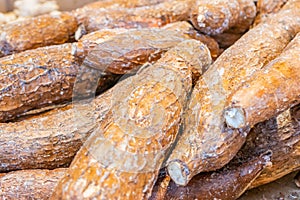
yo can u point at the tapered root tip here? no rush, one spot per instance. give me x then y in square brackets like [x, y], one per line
[235, 117]
[178, 173]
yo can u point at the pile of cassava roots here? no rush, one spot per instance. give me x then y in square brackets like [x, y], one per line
[150, 99]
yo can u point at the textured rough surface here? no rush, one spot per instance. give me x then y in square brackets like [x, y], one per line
[272, 90]
[30, 33]
[266, 8]
[270, 152]
[29, 184]
[43, 141]
[35, 78]
[216, 16]
[281, 136]
[206, 143]
[115, 3]
[226, 184]
[89, 41]
[141, 17]
[125, 50]
[283, 188]
[188, 30]
[122, 157]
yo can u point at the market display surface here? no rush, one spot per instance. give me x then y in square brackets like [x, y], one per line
[149, 99]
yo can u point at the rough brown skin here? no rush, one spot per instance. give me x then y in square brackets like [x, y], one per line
[116, 3]
[126, 52]
[35, 32]
[271, 151]
[141, 17]
[226, 184]
[37, 78]
[122, 157]
[216, 16]
[89, 41]
[150, 44]
[45, 142]
[266, 8]
[29, 184]
[206, 143]
[272, 90]
[280, 135]
[189, 30]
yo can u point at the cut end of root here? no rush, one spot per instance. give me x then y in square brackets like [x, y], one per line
[235, 117]
[178, 173]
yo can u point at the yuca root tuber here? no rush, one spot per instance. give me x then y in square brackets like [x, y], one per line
[89, 41]
[115, 3]
[30, 33]
[267, 7]
[51, 139]
[126, 52]
[37, 78]
[140, 46]
[272, 90]
[226, 184]
[141, 17]
[206, 144]
[216, 16]
[271, 151]
[123, 155]
[280, 135]
[30, 184]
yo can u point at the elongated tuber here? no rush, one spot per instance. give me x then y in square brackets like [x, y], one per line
[130, 49]
[271, 151]
[51, 139]
[44, 76]
[122, 157]
[216, 16]
[30, 33]
[206, 143]
[226, 184]
[30, 184]
[280, 135]
[272, 90]
[142, 17]
[115, 3]
[126, 52]
[39, 77]
[35, 78]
